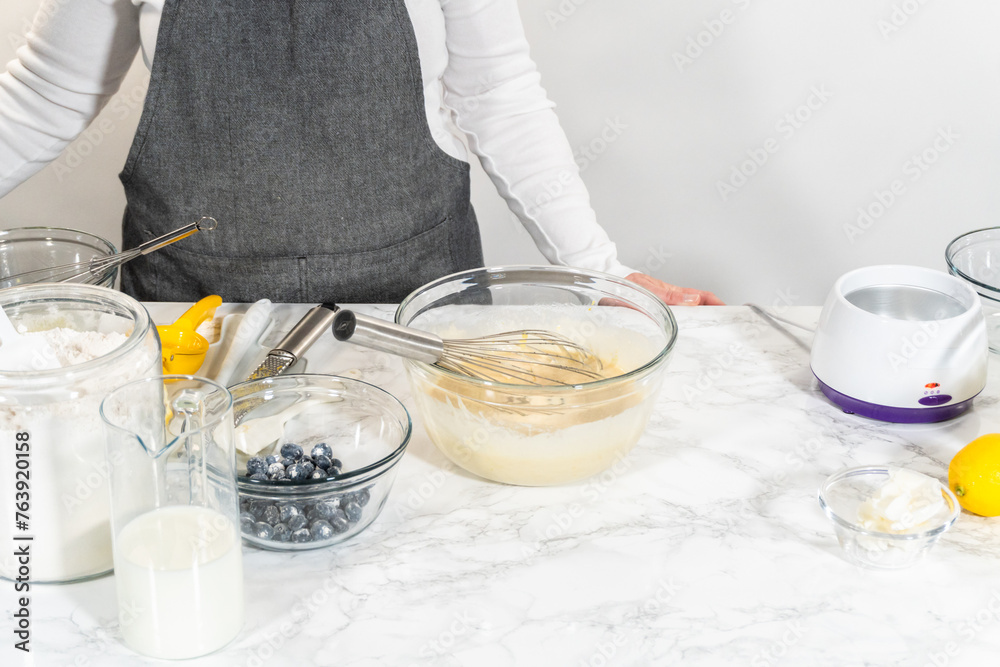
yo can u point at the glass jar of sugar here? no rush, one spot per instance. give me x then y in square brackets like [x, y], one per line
[54, 507]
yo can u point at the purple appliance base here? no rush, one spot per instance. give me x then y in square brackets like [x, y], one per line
[895, 415]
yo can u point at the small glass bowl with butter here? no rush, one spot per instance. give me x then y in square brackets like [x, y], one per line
[887, 517]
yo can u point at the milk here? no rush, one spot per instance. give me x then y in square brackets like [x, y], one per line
[179, 575]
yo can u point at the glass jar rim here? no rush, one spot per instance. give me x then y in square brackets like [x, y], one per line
[79, 294]
[565, 271]
[247, 389]
[40, 228]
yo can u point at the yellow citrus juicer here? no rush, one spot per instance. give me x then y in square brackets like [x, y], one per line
[183, 348]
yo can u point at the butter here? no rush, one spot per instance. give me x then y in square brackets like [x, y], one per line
[905, 502]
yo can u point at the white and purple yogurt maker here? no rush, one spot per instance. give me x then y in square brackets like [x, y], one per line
[901, 344]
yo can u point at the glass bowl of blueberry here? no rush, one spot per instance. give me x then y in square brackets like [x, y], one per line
[316, 456]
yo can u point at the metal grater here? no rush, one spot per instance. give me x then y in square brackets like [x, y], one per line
[292, 347]
[276, 362]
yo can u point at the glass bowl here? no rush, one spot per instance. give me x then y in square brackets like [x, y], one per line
[540, 435]
[841, 497]
[32, 248]
[975, 258]
[366, 428]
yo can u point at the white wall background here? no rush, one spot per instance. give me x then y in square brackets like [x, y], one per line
[905, 96]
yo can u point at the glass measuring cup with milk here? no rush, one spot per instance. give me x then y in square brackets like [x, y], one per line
[174, 517]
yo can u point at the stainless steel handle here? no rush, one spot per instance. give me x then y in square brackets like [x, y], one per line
[205, 224]
[309, 328]
[383, 336]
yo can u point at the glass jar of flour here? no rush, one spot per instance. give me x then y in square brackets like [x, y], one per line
[85, 341]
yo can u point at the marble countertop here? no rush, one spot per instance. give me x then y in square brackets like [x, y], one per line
[704, 546]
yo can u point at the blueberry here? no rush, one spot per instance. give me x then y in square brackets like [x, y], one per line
[282, 533]
[291, 451]
[297, 522]
[309, 468]
[297, 472]
[288, 511]
[336, 463]
[353, 511]
[321, 530]
[271, 515]
[333, 470]
[320, 511]
[301, 535]
[339, 522]
[287, 462]
[259, 476]
[272, 459]
[362, 497]
[318, 474]
[256, 508]
[279, 476]
[256, 465]
[246, 522]
[263, 530]
[307, 459]
[275, 468]
[322, 449]
[244, 505]
[323, 462]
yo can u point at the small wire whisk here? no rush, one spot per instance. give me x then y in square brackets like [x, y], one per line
[526, 356]
[96, 269]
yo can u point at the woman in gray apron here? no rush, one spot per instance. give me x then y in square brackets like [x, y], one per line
[302, 126]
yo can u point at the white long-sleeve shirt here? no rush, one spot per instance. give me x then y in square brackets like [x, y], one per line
[478, 78]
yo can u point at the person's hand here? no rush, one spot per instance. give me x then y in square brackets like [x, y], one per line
[673, 295]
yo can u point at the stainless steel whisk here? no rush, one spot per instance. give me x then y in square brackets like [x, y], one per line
[97, 268]
[525, 356]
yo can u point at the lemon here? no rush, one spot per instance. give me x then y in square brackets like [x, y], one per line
[974, 475]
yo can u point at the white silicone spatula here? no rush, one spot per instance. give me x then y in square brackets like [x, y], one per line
[23, 353]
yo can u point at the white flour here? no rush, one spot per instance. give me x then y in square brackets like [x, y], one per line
[67, 347]
[69, 511]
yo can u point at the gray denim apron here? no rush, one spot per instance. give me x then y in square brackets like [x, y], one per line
[300, 126]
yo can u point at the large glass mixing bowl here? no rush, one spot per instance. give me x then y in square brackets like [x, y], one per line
[541, 435]
[975, 258]
[34, 248]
